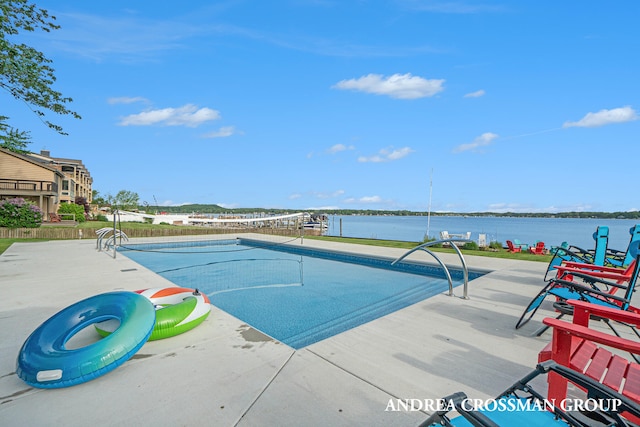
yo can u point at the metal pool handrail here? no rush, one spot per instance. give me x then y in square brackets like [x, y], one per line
[465, 270]
[100, 235]
[111, 240]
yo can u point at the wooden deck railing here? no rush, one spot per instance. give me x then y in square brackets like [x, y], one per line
[28, 185]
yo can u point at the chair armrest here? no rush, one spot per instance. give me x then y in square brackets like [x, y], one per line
[589, 334]
[600, 278]
[617, 276]
[586, 266]
[615, 314]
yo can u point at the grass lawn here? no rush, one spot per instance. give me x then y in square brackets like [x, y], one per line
[5, 243]
[525, 256]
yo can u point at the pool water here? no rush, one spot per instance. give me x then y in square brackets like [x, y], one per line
[295, 295]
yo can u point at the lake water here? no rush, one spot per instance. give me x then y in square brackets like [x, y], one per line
[552, 231]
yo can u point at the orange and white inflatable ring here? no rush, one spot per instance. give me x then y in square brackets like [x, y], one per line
[178, 310]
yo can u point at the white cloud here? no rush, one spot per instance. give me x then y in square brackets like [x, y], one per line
[127, 100]
[365, 199]
[223, 132]
[508, 207]
[322, 208]
[484, 139]
[340, 147]
[400, 86]
[386, 155]
[318, 195]
[125, 37]
[370, 199]
[524, 208]
[476, 94]
[336, 193]
[187, 115]
[398, 154]
[605, 117]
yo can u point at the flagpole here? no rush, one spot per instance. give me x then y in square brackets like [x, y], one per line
[429, 212]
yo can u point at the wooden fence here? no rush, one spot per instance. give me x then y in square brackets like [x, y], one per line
[65, 233]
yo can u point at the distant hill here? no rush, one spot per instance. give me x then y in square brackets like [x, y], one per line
[216, 209]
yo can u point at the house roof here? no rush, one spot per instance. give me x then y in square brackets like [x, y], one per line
[31, 160]
[44, 157]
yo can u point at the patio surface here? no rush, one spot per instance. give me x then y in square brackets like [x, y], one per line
[225, 373]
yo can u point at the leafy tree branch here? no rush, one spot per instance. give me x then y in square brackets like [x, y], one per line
[26, 73]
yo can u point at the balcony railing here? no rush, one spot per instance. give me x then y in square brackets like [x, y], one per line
[28, 185]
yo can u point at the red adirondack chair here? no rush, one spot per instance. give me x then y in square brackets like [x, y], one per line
[587, 350]
[538, 249]
[513, 248]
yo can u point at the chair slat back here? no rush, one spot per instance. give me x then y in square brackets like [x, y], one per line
[601, 236]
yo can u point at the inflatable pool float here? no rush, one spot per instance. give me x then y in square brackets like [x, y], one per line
[178, 310]
[45, 362]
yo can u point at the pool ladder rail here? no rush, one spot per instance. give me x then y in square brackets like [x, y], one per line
[104, 232]
[465, 269]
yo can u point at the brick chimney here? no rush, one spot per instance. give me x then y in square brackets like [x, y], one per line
[45, 153]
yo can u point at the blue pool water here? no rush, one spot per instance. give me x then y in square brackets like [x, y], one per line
[296, 295]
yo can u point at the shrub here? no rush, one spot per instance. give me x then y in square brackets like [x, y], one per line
[82, 201]
[470, 246]
[19, 213]
[72, 208]
[427, 239]
[495, 245]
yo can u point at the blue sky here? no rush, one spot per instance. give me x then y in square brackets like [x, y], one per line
[521, 106]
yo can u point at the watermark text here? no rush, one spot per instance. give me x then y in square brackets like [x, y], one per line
[504, 405]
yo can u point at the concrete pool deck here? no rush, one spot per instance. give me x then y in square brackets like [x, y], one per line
[225, 373]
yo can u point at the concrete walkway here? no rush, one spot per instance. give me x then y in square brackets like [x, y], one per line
[225, 373]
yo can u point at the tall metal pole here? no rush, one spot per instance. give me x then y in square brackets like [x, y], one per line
[429, 212]
[114, 233]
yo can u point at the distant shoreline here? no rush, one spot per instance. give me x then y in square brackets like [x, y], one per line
[216, 209]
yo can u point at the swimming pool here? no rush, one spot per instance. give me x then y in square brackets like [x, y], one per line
[292, 293]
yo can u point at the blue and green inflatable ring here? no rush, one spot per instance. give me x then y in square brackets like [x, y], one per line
[45, 362]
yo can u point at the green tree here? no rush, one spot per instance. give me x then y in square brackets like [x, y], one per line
[13, 139]
[97, 198]
[125, 200]
[25, 73]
